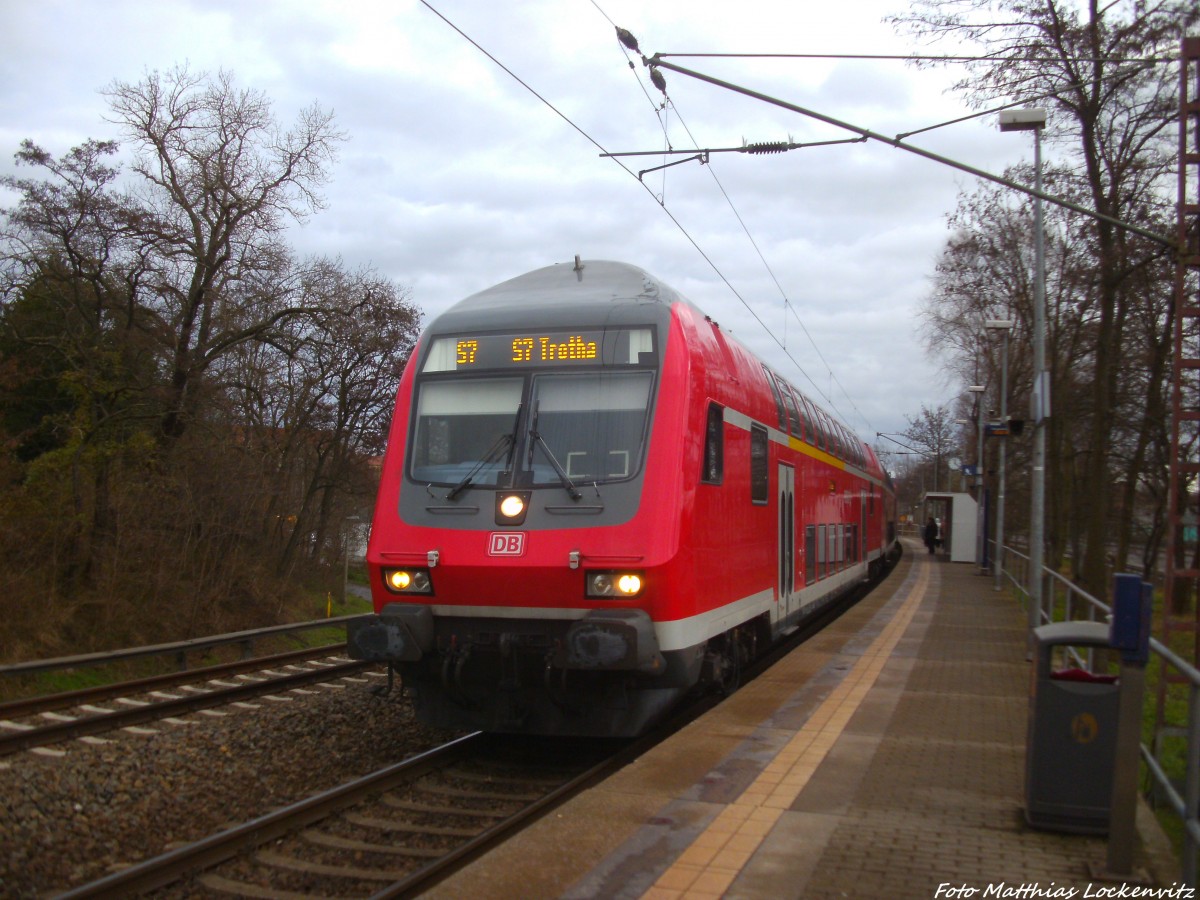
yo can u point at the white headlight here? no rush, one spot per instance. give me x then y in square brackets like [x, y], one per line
[614, 584]
[629, 585]
[408, 581]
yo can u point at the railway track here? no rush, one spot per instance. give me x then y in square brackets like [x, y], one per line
[385, 835]
[396, 831]
[41, 722]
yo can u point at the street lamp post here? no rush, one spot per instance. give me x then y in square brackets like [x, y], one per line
[346, 523]
[980, 542]
[1004, 326]
[1035, 120]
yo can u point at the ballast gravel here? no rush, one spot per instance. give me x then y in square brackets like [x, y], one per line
[71, 819]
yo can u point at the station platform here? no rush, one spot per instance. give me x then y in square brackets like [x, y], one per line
[884, 757]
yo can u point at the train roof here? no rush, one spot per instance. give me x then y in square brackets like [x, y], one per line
[584, 292]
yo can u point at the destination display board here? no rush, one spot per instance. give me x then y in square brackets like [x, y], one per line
[526, 350]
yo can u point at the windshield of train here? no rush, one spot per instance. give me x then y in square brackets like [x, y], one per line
[530, 410]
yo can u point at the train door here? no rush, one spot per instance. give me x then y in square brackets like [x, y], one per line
[862, 524]
[786, 537]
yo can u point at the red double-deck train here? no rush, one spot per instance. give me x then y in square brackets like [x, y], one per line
[594, 500]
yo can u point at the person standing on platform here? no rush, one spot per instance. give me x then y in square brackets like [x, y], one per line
[931, 534]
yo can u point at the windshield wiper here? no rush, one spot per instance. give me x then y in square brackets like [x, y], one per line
[502, 444]
[512, 445]
[554, 463]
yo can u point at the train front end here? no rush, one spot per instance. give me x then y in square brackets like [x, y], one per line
[515, 556]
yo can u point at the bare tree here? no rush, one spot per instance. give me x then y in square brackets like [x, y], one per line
[221, 180]
[932, 433]
[318, 409]
[1113, 115]
[187, 412]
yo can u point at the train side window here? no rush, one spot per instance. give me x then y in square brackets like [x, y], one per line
[714, 446]
[814, 423]
[822, 546]
[832, 437]
[774, 383]
[810, 554]
[822, 430]
[760, 488]
[806, 415]
[793, 413]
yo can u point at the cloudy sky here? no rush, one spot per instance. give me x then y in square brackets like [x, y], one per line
[455, 176]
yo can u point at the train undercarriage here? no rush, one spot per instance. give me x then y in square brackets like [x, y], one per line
[602, 675]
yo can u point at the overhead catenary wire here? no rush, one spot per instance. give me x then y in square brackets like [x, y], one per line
[657, 61]
[1025, 101]
[679, 225]
[1133, 64]
[761, 148]
[629, 44]
[660, 109]
[906, 57]
[788, 306]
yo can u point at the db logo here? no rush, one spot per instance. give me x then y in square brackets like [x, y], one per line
[506, 543]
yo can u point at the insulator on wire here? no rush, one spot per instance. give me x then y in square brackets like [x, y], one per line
[627, 39]
[659, 81]
[768, 147]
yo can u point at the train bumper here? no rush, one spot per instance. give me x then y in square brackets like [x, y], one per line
[400, 633]
[620, 640]
[617, 639]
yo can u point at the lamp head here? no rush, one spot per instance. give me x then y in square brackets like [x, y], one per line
[1022, 119]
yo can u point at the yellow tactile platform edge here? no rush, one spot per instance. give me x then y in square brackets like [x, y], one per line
[709, 866]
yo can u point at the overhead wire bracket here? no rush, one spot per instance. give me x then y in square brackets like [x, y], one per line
[703, 157]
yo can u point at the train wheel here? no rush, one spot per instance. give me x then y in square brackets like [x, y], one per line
[726, 657]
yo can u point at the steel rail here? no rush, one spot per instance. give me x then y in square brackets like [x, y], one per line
[64, 699]
[40, 736]
[444, 866]
[174, 865]
[441, 868]
[83, 660]
[169, 867]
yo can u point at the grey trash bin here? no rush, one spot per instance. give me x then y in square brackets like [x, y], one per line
[1071, 744]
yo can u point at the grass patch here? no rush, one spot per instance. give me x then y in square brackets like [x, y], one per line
[1170, 743]
[309, 606]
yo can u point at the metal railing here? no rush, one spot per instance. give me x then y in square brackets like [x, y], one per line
[1064, 601]
[178, 649]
